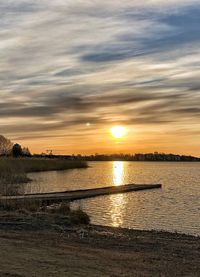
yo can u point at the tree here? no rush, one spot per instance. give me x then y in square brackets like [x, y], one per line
[5, 146]
[17, 150]
[26, 152]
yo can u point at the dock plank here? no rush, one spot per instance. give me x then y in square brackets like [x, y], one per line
[82, 194]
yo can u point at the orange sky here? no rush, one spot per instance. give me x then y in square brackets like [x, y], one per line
[64, 64]
[137, 139]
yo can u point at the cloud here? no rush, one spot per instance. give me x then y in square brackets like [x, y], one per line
[64, 63]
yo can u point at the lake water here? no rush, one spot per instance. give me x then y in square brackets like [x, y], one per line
[175, 207]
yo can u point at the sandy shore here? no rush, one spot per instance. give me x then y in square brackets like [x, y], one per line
[32, 248]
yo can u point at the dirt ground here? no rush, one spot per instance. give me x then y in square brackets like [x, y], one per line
[95, 251]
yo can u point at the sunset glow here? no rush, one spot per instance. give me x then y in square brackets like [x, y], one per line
[70, 70]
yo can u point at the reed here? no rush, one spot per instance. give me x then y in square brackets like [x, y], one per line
[14, 170]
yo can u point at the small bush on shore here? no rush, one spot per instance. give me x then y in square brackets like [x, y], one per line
[62, 208]
[79, 217]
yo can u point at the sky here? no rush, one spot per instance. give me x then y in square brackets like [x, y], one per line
[71, 70]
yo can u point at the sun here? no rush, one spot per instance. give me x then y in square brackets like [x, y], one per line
[118, 131]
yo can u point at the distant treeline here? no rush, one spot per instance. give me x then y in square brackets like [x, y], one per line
[7, 148]
[141, 157]
[127, 157]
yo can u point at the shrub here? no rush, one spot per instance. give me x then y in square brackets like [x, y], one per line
[62, 208]
[79, 217]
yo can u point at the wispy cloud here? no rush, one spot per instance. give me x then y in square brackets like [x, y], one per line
[64, 63]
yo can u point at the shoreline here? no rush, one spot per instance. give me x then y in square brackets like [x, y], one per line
[33, 247]
[153, 231]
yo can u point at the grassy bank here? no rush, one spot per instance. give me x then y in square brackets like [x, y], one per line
[14, 170]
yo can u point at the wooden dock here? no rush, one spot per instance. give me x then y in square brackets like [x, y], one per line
[80, 194]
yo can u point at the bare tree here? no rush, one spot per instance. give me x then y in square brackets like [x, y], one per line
[5, 146]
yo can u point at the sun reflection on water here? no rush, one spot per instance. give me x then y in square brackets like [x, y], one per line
[117, 201]
[118, 173]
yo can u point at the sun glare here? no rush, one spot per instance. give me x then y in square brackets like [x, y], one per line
[118, 131]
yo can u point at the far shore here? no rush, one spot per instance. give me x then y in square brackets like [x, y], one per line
[31, 246]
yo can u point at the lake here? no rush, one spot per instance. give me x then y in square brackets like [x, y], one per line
[175, 207]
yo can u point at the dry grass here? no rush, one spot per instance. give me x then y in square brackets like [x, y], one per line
[14, 171]
[24, 165]
[17, 206]
[11, 171]
[62, 208]
[56, 212]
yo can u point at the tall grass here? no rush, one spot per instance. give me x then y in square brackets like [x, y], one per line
[14, 170]
[26, 165]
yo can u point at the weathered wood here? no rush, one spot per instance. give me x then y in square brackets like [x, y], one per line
[81, 194]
